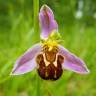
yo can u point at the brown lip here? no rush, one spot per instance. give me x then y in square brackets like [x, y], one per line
[50, 72]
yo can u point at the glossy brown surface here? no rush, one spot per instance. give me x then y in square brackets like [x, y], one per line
[50, 71]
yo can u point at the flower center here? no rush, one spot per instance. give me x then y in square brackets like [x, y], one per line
[52, 41]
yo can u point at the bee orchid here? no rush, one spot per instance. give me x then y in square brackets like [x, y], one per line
[49, 57]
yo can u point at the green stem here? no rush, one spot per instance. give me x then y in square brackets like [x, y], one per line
[38, 86]
[36, 20]
[36, 35]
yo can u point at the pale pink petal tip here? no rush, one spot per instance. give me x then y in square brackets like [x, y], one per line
[26, 62]
[72, 62]
[47, 22]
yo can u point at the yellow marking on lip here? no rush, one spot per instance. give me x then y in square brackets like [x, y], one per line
[46, 62]
[46, 73]
[55, 74]
[55, 62]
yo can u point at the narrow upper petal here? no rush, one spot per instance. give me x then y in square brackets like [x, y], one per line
[47, 22]
[72, 62]
[26, 62]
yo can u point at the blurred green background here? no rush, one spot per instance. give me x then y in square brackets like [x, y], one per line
[77, 24]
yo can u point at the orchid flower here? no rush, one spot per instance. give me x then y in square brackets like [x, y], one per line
[49, 57]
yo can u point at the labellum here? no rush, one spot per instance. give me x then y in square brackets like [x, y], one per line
[50, 64]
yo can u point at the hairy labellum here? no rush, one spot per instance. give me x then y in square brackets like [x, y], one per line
[49, 64]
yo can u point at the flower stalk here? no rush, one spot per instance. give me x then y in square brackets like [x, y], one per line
[36, 31]
[35, 18]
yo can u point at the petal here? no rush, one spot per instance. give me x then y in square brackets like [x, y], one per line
[47, 22]
[72, 62]
[26, 62]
